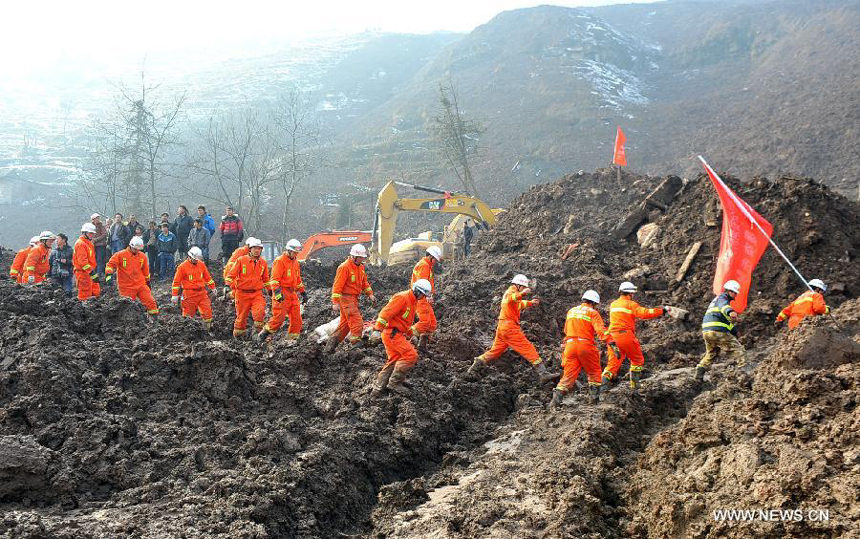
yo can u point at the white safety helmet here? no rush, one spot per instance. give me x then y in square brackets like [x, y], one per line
[422, 286]
[136, 242]
[818, 283]
[47, 235]
[520, 279]
[358, 250]
[254, 242]
[591, 295]
[732, 286]
[435, 252]
[94, 216]
[88, 227]
[34, 240]
[196, 253]
[249, 239]
[627, 287]
[294, 246]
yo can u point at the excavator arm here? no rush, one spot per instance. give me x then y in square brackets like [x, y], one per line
[388, 205]
[332, 238]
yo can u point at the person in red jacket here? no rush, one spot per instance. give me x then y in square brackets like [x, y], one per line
[132, 269]
[810, 303]
[37, 265]
[349, 283]
[395, 325]
[85, 264]
[16, 270]
[582, 326]
[286, 286]
[623, 313]
[249, 275]
[192, 278]
[509, 334]
[426, 317]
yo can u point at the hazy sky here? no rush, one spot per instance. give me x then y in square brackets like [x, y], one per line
[37, 34]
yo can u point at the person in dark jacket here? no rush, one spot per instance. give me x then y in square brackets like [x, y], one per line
[100, 242]
[118, 234]
[167, 246]
[182, 225]
[719, 330]
[131, 226]
[61, 264]
[150, 246]
[208, 221]
[231, 233]
[468, 234]
[199, 237]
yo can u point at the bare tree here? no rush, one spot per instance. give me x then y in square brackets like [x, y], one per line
[456, 136]
[100, 185]
[300, 139]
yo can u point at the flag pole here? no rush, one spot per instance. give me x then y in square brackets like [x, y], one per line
[752, 220]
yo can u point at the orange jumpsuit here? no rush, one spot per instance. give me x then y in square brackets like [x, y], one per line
[426, 317]
[241, 251]
[37, 264]
[132, 271]
[84, 264]
[349, 282]
[249, 276]
[16, 270]
[623, 313]
[286, 276]
[193, 278]
[508, 331]
[583, 324]
[808, 304]
[398, 315]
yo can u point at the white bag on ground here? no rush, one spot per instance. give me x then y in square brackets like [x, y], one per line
[323, 332]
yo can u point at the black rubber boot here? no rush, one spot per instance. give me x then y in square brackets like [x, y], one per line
[261, 336]
[593, 394]
[607, 383]
[545, 375]
[700, 374]
[331, 344]
[422, 343]
[381, 382]
[635, 376]
[397, 384]
[557, 398]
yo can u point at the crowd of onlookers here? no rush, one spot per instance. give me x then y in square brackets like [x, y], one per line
[164, 241]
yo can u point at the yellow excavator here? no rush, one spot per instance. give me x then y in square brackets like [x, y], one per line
[383, 249]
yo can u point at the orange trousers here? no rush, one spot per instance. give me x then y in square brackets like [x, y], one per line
[86, 287]
[630, 349]
[194, 301]
[351, 322]
[400, 351]
[510, 335]
[287, 307]
[426, 317]
[142, 294]
[579, 354]
[252, 303]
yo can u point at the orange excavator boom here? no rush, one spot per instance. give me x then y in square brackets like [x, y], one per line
[332, 238]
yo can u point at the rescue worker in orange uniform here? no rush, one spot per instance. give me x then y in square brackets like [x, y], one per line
[241, 251]
[623, 313]
[16, 270]
[84, 264]
[37, 265]
[286, 286]
[349, 283]
[395, 325]
[810, 303]
[132, 269]
[192, 278]
[424, 269]
[509, 334]
[249, 275]
[582, 325]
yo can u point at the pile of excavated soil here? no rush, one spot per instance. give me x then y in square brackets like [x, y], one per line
[110, 426]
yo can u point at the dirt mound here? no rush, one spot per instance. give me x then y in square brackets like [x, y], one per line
[783, 437]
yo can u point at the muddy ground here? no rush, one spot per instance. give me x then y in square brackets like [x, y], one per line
[110, 426]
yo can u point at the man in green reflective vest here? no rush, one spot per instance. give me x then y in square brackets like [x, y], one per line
[718, 330]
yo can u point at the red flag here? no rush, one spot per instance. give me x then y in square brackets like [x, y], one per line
[742, 242]
[619, 158]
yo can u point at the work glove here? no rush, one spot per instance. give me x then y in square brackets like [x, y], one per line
[393, 332]
[304, 296]
[375, 337]
[277, 295]
[372, 299]
[666, 310]
[94, 275]
[614, 348]
[777, 322]
[335, 308]
[174, 300]
[31, 279]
